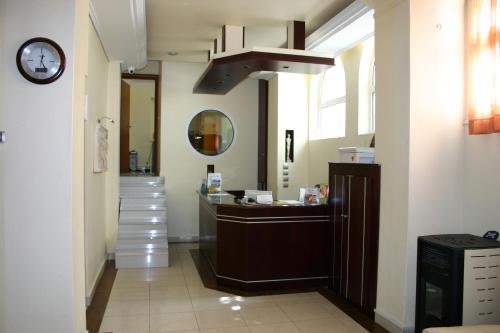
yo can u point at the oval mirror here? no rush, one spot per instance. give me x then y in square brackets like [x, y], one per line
[211, 132]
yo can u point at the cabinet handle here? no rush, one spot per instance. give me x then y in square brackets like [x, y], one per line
[344, 216]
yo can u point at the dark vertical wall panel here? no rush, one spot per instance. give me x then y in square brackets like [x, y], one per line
[262, 135]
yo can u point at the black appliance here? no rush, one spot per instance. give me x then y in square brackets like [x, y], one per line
[440, 278]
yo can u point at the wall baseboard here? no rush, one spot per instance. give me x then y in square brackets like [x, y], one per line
[183, 239]
[88, 299]
[390, 323]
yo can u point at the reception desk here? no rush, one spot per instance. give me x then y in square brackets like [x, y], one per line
[258, 247]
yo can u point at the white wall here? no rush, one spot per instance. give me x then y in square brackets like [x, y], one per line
[392, 54]
[419, 141]
[43, 262]
[77, 161]
[2, 298]
[95, 183]
[184, 168]
[142, 118]
[289, 112]
[113, 173]
[436, 128]
[482, 183]
[321, 152]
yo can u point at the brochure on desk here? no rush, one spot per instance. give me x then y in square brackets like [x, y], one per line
[214, 183]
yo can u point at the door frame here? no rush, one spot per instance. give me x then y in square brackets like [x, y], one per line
[157, 125]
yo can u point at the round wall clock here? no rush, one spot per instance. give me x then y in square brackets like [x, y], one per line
[40, 60]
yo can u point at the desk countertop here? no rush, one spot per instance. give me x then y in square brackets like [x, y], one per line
[228, 199]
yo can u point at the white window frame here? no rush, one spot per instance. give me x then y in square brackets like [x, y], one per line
[373, 96]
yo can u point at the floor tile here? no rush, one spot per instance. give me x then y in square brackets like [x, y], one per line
[173, 322]
[263, 316]
[126, 283]
[127, 308]
[256, 302]
[126, 294]
[174, 299]
[323, 325]
[275, 328]
[219, 319]
[227, 330]
[127, 324]
[297, 298]
[159, 292]
[212, 303]
[205, 292]
[177, 280]
[305, 310]
[170, 305]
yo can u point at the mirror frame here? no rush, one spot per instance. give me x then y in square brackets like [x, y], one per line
[193, 115]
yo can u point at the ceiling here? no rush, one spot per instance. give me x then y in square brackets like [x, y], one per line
[189, 27]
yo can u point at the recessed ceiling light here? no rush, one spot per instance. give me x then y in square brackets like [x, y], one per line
[172, 53]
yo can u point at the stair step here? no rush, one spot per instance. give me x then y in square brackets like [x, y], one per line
[141, 179]
[143, 217]
[146, 245]
[142, 194]
[151, 201]
[135, 231]
[143, 184]
[154, 221]
[142, 230]
[149, 204]
[140, 259]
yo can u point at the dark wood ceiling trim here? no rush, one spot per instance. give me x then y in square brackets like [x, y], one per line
[224, 38]
[299, 35]
[222, 74]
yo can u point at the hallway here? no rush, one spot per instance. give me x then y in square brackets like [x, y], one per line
[174, 299]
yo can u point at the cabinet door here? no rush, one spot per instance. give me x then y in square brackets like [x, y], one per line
[339, 203]
[356, 235]
[354, 204]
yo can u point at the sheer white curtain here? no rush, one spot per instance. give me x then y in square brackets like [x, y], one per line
[483, 66]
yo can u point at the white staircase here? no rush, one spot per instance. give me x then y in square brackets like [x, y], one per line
[142, 228]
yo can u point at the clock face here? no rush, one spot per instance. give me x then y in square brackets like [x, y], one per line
[40, 60]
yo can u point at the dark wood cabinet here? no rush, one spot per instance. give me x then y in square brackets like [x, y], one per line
[354, 201]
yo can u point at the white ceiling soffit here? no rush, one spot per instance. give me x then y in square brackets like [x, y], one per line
[121, 26]
[187, 28]
[346, 29]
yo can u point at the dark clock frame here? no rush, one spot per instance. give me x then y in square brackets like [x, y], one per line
[28, 77]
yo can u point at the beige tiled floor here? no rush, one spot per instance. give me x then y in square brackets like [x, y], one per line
[174, 299]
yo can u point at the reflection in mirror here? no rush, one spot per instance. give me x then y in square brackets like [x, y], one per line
[211, 132]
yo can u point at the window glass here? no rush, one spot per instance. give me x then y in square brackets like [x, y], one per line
[333, 85]
[366, 94]
[331, 117]
[372, 100]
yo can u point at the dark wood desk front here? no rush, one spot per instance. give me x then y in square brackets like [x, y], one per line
[265, 246]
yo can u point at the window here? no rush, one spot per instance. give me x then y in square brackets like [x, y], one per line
[483, 62]
[373, 96]
[332, 105]
[366, 94]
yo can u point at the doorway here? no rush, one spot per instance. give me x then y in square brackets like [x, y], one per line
[140, 125]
